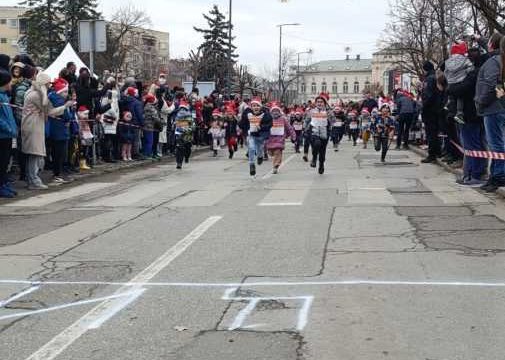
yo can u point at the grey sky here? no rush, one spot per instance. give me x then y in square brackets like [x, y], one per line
[328, 26]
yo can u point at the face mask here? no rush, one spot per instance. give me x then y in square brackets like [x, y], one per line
[162, 81]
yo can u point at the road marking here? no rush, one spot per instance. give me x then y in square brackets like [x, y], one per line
[284, 198]
[263, 284]
[284, 163]
[108, 308]
[281, 204]
[46, 199]
[303, 314]
[19, 295]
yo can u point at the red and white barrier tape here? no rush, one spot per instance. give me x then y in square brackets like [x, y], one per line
[480, 153]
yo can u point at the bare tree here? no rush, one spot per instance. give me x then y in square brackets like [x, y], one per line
[196, 62]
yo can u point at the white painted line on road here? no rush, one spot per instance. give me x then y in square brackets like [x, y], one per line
[64, 339]
[281, 204]
[19, 295]
[243, 314]
[65, 306]
[263, 284]
[46, 199]
[284, 163]
[303, 316]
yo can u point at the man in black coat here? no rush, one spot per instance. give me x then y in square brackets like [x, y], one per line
[431, 97]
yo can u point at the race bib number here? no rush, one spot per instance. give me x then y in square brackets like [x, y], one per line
[353, 125]
[254, 123]
[319, 119]
[277, 128]
[298, 127]
[339, 124]
[182, 124]
[365, 124]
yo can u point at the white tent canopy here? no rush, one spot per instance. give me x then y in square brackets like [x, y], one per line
[67, 55]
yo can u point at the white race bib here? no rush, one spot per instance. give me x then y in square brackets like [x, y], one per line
[353, 125]
[339, 124]
[319, 119]
[298, 127]
[365, 124]
[254, 123]
[277, 128]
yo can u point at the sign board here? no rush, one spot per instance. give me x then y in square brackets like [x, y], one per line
[205, 87]
[92, 36]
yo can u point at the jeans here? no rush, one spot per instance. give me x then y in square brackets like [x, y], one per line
[256, 148]
[59, 156]
[34, 165]
[404, 126]
[147, 145]
[319, 149]
[5, 155]
[472, 135]
[495, 136]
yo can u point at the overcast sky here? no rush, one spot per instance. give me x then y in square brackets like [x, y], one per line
[328, 26]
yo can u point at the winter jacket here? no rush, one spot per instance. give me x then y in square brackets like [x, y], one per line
[281, 130]
[136, 108]
[262, 129]
[151, 117]
[184, 124]
[431, 95]
[35, 115]
[465, 90]
[8, 128]
[319, 122]
[485, 91]
[18, 99]
[59, 127]
[405, 105]
[230, 127]
[457, 67]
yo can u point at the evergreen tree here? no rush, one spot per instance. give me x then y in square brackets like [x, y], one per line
[43, 38]
[72, 11]
[215, 49]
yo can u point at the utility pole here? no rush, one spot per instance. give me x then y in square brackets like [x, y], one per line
[280, 57]
[298, 70]
[230, 60]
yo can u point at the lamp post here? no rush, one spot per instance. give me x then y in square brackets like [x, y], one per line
[229, 69]
[280, 26]
[298, 70]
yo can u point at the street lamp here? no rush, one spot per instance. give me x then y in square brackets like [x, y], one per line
[280, 26]
[230, 61]
[298, 70]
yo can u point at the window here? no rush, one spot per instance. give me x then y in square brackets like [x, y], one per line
[356, 87]
[334, 88]
[324, 87]
[13, 23]
[3, 41]
[303, 88]
[346, 88]
[313, 88]
[367, 86]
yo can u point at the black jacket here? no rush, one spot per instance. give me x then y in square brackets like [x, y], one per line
[465, 90]
[431, 95]
[265, 126]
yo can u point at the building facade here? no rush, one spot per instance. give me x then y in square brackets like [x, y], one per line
[387, 70]
[12, 27]
[343, 79]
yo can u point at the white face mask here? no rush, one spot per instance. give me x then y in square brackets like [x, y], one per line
[162, 81]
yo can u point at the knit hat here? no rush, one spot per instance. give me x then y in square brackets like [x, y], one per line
[43, 79]
[428, 66]
[60, 85]
[83, 111]
[131, 91]
[5, 77]
[184, 104]
[217, 112]
[150, 98]
[18, 65]
[274, 105]
[4, 61]
[365, 111]
[459, 49]
[256, 100]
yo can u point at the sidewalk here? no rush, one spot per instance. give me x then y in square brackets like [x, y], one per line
[98, 170]
[459, 172]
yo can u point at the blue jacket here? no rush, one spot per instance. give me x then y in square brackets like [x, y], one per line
[136, 108]
[8, 128]
[59, 128]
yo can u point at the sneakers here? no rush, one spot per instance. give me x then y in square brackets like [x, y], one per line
[406, 147]
[459, 119]
[38, 187]
[231, 155]
[313, 164]
[9, 188]
[215, 153]
[58, 180]
[321, 169]
[491, 186]
[5, 193]
[305, 158]
[179, 166]
[260, 160]
[252, 170]
[429, 160]
[470, 182]
[275, 170]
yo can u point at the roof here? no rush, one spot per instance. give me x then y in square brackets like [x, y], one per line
[351, 65]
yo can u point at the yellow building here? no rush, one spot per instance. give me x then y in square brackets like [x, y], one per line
[12, 27]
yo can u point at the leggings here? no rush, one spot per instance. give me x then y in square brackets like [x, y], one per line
[319, 149]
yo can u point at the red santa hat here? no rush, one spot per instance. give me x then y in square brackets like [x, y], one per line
[60, 85]
[131, 91]
[275, 105]
[324, 96]
[230, 110]
[459, 49]
[150, 98]
[365, 111]
[184, 104]
[256, 100]
[83, 111]
[217, 112]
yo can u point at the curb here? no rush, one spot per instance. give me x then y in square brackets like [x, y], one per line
[423, 153]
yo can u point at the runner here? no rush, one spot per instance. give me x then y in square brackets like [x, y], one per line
[280, 131]
[298, 127]
[256, 121]
[231, 130]
[365, 127]
[354, 127]
[338, 128]
[385, 131]
[216, 131]
[320, 119]
[183, 126]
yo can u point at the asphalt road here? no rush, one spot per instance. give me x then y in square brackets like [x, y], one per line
[368, 261]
